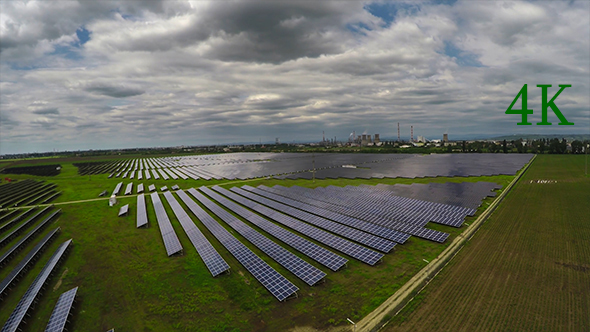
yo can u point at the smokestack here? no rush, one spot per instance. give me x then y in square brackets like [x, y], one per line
[323, 136]
[412, 133]
[398, 139]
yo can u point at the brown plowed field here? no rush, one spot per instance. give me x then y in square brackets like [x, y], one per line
[527, 268]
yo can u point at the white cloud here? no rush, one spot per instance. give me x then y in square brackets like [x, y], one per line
[191, 73]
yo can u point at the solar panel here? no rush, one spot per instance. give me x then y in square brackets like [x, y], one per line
[129, 189]
[171, 241]
[147, 174]
[61, 311]
[142, 218]
[156, 176]
[164, 188]
[24, 305]
[124, 210]
[164, 175]
[117, 188]
[352, 249]
[171, 174]
[272, 280]
[29, 259]
[312, 250]
[140, 188]
[175, 187]
[152, 187]
[210, 256]
[302, 269]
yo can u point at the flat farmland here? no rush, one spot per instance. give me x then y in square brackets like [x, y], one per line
[526, 269]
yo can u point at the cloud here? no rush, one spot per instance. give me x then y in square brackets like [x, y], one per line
[172, 73]
[113, 90]
[46, 111]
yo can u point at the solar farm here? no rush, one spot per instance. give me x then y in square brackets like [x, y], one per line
[232, 242]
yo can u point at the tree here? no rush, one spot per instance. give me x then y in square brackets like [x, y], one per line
[577, 146]
[504, 147]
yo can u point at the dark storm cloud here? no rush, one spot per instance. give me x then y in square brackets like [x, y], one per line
[47, 111]
[115, 91]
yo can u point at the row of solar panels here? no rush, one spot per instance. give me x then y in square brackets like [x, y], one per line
[23, 193]
[140, 188]
[63, 308]
[166, 174]
[61, 311]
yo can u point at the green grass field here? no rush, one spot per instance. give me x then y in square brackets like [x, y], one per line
[527, 268]
[127, 281]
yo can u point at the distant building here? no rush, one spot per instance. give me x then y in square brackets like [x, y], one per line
[376, 140]
[445, 138]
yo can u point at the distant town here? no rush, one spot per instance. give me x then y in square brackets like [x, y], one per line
[357, 143]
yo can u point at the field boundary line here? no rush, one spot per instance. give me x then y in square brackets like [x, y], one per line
[377, 319]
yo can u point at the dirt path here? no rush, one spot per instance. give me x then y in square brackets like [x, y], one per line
[375, 320]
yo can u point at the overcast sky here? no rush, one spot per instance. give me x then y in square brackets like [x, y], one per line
[109, 74]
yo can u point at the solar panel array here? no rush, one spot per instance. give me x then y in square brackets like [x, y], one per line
[407, 210]
[367, 239]
[7, 238]
[16, 219]
[306, 205]
[171, 241]
[247, 165]
[350, 248]
[303, 270]
[321, 255]
[140, 188]
[214, 262]
[464, 194]
[142, 218]
[61, 311]
[28, 299]
[25, 239]
[272, 280]
[391, 206]
[23, 265]
[369, 213]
